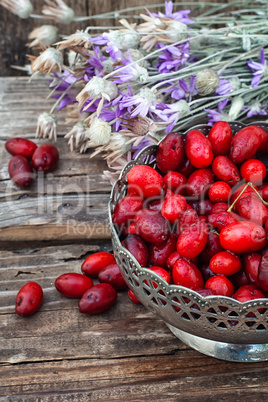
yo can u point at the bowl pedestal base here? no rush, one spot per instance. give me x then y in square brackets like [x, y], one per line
[222, 350]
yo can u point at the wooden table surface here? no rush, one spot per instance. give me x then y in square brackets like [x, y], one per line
[59, 354]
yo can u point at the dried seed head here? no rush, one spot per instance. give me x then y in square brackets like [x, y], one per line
[46, 127]
[176, 31]
[236, 107]
[140, 126]
[182, 107]
[108, 65]
[45, 34]
[148, 95]
[207, 81]
[21, 8]
[58, 11]
[99, 131]
[235, 82]
[80, 38]
[97, 88]
[137, 55]
[50, 60]
[77, 136]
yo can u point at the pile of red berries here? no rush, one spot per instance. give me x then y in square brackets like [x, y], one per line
[27, 157]
[94, 298]
[199, 219]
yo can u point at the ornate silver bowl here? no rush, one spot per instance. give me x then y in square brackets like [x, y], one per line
[214, 325]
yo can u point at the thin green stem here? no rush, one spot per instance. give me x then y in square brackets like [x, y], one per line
[237, 198]
[258, 194]
[60, 98]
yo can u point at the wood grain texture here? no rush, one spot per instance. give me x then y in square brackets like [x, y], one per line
[69, 203]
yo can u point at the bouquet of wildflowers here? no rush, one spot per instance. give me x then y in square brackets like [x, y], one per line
[157, 72]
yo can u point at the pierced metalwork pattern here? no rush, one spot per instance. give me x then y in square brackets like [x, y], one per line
[217, 318]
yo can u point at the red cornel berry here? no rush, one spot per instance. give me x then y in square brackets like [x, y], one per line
[20, 146]
[20, 171]
[29, 299]
[73, 284]
[97, 299]
[45, 158]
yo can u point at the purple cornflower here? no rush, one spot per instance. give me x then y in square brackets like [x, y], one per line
[256, 109]
[171, 113]
[113, 42]
[65, 87]
[132, 72]
[96, 62]
[224, 88]
[99, 40]
[182, 89]
[119, 109]
[181, 16]
[217, 115]
[258, 68]
[143, 103]
[173, 57]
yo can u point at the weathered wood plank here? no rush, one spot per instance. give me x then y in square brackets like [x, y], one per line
[144, 378]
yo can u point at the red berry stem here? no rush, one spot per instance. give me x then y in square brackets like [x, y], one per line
[258, 194]
[237, 198]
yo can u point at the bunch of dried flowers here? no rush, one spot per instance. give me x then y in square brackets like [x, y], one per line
[130, 85]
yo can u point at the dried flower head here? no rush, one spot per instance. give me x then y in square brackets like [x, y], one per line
[160, 30]
[21, 8]
[136, 55]
[236, 107]
[115, 148]
[80, 38]
[58, 11]
[116, 168]
[139, 125]
[49, 61]
[44, 35]
[99, 131]
[207, 81]
[77, 138]
[97, 88]
[46, 127]
[176, 31]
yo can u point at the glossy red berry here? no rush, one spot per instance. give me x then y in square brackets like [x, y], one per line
[112, 275]
[73, 284]
[219, 192]
[253, 171]
[94, 263]
[220, 285]
[173, 207]
[198, 149]
[185, 273]
[133, 298]
[20, 146]
[225, 263]
[29, 299]
[45, 158]
[97, 299]
[220, 137]
[20, 171]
